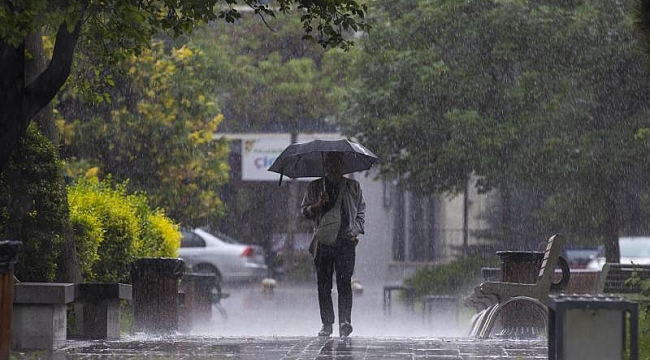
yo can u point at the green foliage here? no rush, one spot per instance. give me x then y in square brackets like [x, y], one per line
[157, 132]
[88, 232]
[643, 313]
[644, 332]
[295, 85]
[277, 68]
[161, 237]
[114, 228]
[32, 208]
[543, 97]
[112, 25]
[454, 278]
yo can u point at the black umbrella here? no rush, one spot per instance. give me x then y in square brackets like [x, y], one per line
[308, 159]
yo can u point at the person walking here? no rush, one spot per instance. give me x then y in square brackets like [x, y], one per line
[336, 206]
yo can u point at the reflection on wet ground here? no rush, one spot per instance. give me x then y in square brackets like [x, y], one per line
[277, 348]
[293, 311]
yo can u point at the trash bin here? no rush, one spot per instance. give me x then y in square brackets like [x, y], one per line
[8, 252]
[197, 288]
[155, 294]
[591, 327]
[519, 319]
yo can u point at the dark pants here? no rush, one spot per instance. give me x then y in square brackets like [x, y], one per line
[340, 259]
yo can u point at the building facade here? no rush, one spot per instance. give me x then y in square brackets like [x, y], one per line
[404, 230]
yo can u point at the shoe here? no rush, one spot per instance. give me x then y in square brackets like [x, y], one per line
[326, 330]
[345, 329]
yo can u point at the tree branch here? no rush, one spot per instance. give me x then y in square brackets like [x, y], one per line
[43, 89]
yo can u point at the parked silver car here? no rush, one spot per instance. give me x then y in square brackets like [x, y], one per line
[222, 255]
[633, 250]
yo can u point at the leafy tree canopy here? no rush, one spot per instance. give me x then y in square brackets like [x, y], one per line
[541, 95]
[293, 84]
[156, 130]
[107, 28]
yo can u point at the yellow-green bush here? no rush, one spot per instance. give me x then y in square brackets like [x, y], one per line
[114, 228]
[88, 233]
[162, 237]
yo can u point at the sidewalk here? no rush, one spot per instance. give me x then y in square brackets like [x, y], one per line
[284, 348]
[283, 327]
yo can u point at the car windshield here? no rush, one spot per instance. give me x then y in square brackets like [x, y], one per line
[635, 247]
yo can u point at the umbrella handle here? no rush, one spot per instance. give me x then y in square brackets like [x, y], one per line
[280, 182]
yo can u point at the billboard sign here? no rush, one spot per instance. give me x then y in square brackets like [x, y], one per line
[259, 152]
[257, 157]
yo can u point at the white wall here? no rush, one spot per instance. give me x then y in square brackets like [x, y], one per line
[375, 247]
[374, 266]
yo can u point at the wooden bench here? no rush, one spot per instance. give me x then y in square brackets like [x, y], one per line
[494, 295]
[491, 292]
[616, 278]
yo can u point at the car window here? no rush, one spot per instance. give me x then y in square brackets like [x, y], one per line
[191, 240]
[226, 238]
[223, 237]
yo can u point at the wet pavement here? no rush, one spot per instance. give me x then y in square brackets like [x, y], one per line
[283, 326]
[285, 347]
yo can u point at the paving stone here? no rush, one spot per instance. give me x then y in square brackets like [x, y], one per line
[298, 348]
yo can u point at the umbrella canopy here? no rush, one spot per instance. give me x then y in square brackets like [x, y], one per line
[308, 159]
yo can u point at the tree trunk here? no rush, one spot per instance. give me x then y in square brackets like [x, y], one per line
[13, 122]
[21, 101]
[506, 217]
[611, 226]
[34, 66]
[466, 217]
[68, 266]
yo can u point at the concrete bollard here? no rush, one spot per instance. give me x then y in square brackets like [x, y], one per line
[97, 309]
[39, 315]
[197, 290]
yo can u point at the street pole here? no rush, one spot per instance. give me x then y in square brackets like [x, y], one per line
[466, 219]
[292, 219]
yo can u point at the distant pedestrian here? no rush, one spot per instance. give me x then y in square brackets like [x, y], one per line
[336, 206]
